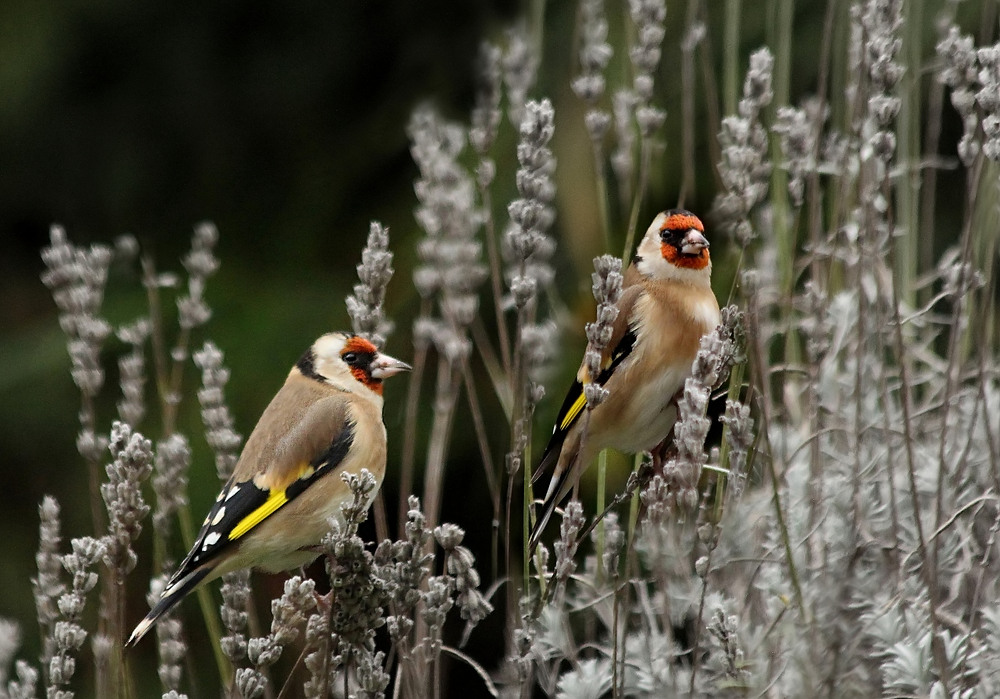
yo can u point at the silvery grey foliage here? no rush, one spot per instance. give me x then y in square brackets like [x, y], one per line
[623, 157]
[594, 54]
[288, 616]
[233, 611]
[10, 642]
[69, 635]
[607, 287]
[719, 351]
[132, 368]
[745, 168]
[77, 277]
[528, 248]
[374, 272]
[816, 324]
[170, 481]
[340, 635]
[539, 345]
[648, 17]
[973, 74]
[250, 683]
[200, 264]
[614, 544]
[565, 548]
[403, 594]
[171, 645]
[724, 628]
[462, 578]
[371, 676]
[958, 278]
[222, 438]
[632, 106]
[131, 466]
[798, 129]
[48, 586]
[26, 684]
[404, 565]
[450, 269]
[657, 499]
[102, 646]
[527, 242]
[520, 68]
[881, 21]
[317, 637]
[486, 113]
[988, 98]
[739, 438]
[591, 679]
[960, 73]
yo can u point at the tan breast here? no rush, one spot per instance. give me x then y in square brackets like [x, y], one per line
[667, 341]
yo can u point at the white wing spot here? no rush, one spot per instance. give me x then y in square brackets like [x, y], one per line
[219, 515]
[211, 540]
[219, 497]
[235, 489]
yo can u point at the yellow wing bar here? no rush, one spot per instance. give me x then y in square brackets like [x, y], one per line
[275, 499]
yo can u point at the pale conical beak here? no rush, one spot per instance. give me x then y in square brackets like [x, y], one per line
[385, 366]
[693, 243]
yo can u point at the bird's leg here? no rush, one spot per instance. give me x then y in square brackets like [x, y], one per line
[666, 449]
[663, 452]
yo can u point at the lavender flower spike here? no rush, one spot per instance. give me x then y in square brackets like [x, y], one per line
[365, 304]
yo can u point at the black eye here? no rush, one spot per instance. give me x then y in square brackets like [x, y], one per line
[350, 357]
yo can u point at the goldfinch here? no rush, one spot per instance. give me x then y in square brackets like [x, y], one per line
[324, 421]
[666, 305]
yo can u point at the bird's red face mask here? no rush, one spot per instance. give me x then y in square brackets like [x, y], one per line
[683, 242]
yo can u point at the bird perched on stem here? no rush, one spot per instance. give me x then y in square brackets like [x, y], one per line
[326, 420]
[666, 305]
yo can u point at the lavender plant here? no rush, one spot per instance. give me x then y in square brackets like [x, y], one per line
[842, 535]
[374, 273]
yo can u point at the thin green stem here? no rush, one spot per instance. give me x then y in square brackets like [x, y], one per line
[602, 481]
[731, 56]
[688, 91]
[484, 452]
[601, 185]
[645, 159]
[445, 400]
[496, 276]
[907, 185]
[782, 228]
[411, 426]
[633, 507]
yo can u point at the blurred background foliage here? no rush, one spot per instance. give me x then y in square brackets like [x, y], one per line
[284, 123]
